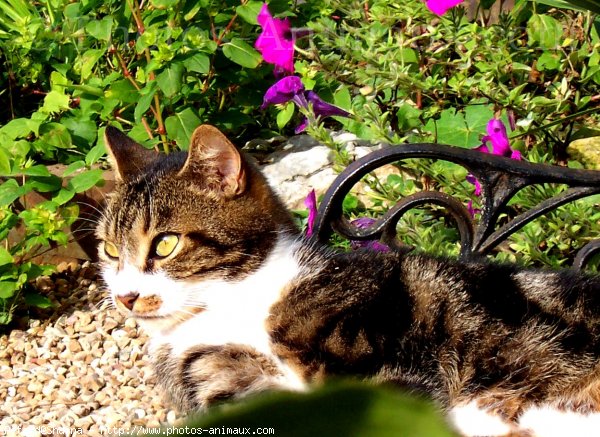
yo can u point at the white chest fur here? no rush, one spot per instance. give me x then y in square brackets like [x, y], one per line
[235, 311]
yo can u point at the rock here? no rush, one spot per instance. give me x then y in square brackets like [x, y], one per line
[304, 164]
[586, 151]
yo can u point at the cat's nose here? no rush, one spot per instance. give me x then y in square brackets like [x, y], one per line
[128, 300]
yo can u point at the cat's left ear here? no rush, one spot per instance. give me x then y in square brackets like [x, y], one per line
[127, 157]
[214, 157]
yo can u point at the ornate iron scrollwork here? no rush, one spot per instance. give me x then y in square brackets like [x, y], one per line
[500, 178]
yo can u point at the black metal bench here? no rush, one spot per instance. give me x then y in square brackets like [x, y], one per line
[500, 177]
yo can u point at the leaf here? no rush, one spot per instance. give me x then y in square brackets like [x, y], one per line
[169, 81]
[63, 196]
[7, 289]
[181, 126]
[55, 135]
[84, 181]
[55, 102]
[89, 60]
[36, 170]
[4, 163]
[145, 101]
[548, 61]
[375, 412]
[164, 4]
[5, 257]
[199, 63]
[285, 115]
[95, 153]
[72, 168]
[240, 52]
[100, 29]
[37, 300]
[5, 318]
[462, 130]
[545, 30]
[249, 11]
[11, 191]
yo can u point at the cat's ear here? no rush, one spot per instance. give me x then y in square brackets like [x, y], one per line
[216, 159]
[127, 157]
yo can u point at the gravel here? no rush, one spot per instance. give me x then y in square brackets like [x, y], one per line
[81, 368]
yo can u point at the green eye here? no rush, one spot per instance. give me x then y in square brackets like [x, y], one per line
[111, 250]
[166, 244]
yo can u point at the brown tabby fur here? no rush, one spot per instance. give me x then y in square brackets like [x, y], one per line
[503, 336]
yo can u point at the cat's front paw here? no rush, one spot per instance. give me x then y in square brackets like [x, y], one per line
[207, 375]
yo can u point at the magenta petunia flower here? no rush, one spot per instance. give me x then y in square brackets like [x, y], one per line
[290, 88]
[311, 204]
[275, 42]
[497, 136]
[365, 222]
[440, 7]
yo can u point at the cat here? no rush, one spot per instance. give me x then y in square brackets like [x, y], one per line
[201, 252]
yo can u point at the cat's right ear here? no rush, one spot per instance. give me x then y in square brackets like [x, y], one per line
[127, 157]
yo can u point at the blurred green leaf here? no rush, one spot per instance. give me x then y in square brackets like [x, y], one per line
[338, 410]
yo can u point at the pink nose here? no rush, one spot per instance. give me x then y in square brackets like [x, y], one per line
[128, 300]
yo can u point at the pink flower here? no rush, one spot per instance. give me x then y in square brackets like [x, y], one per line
[362, 223]
[311, 204]
[275, 42]
[498, 137]
[291, 88]
[441, 6]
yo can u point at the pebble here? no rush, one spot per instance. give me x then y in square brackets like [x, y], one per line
[83, 367]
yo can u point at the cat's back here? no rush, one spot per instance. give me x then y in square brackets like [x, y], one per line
[367, 312]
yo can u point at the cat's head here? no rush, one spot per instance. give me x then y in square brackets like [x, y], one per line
[175, 222]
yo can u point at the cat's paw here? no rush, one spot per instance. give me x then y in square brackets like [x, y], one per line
[215, 374]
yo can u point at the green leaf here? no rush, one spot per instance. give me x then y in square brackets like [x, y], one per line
[145, 101]
[72, 168]
[169, 81]
[249, 11]
[87, 61]
[37, 300]
[5, 257]
[36, 170]
[95, 153]
[20, 128]
[545, 30]
[44, 184]
[63, 196]
[374, 412]
[84, 181]
[199, 63]
[100, 29]
[452, 128]
[55, 101]
[548, 61]
[164, 4]
[4, 163]
[5, 318]
[7, 289]
[11, 191]
[285, 115]
[55, 135]
[181, 126]
[240, 52]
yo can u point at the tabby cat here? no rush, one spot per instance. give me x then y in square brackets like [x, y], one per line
[200, 251]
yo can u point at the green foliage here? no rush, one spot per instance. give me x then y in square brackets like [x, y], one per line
[375, 412]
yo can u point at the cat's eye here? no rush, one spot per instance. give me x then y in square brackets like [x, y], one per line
[111, 250]
[165, 245]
